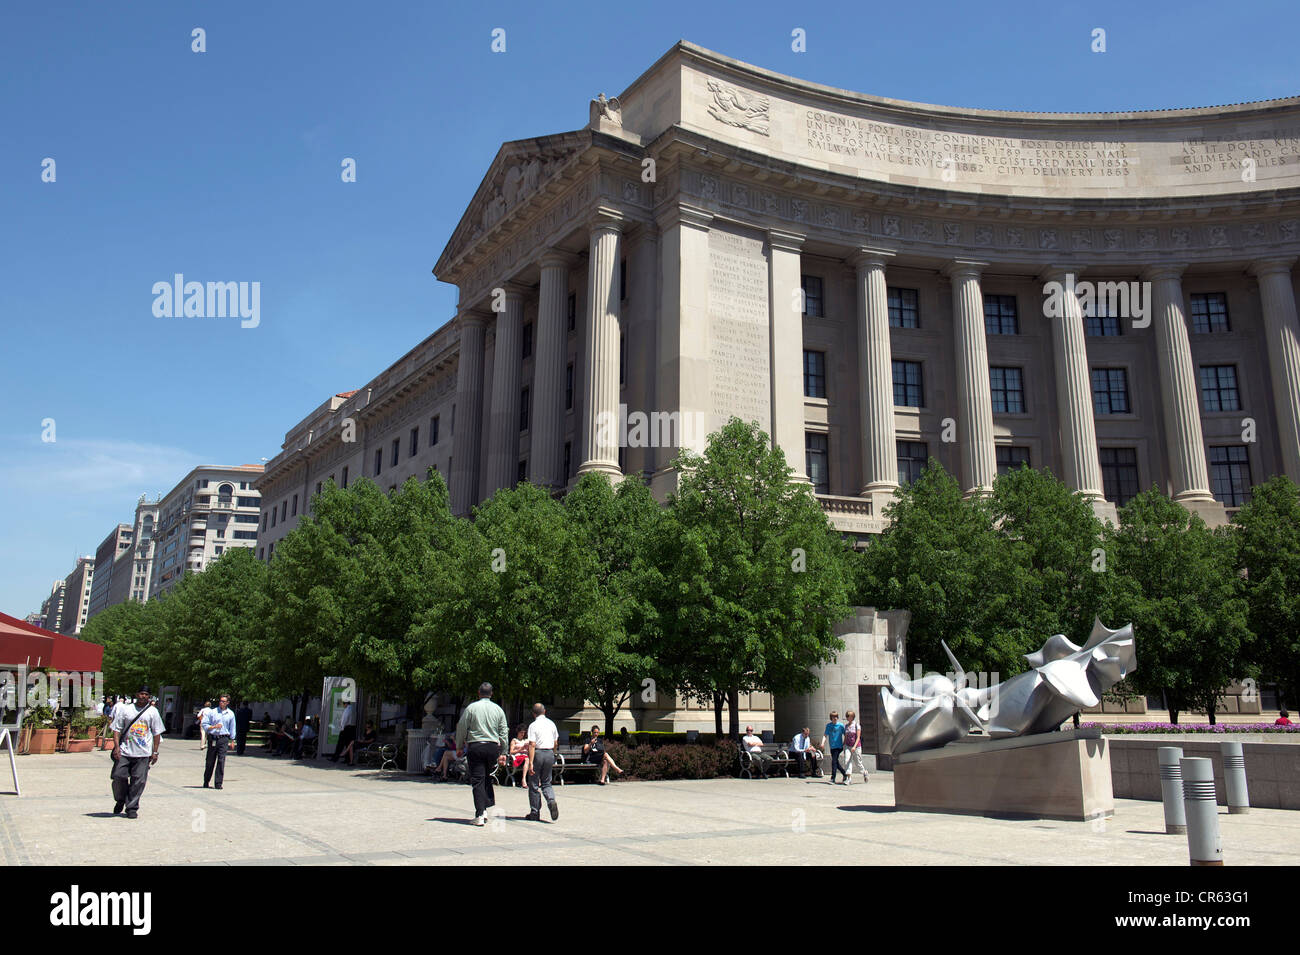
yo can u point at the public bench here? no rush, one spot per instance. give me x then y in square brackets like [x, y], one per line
[779, 761]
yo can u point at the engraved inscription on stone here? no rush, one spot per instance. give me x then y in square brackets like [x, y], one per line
[739, 378]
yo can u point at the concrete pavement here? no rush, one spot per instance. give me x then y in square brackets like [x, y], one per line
[303, 813]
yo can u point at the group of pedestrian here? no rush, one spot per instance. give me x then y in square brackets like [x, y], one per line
[841, 742]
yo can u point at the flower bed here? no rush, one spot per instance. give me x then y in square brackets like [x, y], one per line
[1191, 727]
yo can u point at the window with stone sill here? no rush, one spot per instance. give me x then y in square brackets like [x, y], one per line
[1110, 391]
[912, 456]
[817, 460]
[1209, 312]
[1219, 388]
[1230, 475]
[909, 389]
[1000, 316]
[903, 309]
[1006, 386]
[813, 305]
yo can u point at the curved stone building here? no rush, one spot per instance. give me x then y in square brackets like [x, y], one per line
[1108, 295]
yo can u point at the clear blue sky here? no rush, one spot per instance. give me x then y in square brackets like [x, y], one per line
[225, 166]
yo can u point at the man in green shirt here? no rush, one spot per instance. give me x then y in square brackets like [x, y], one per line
[483, 734]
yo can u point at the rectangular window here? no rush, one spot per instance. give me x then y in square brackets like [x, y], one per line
[261, 553]
[433, 431]
[1011, 458]
[1209, 312]
[248, 502]
[817, 459]
[523, 410]
[573, 311]
[568, 387]
[415, 442]
[1000, 315]
[295, 505]
[1219, 388]
[245, 518]
[568, 460]
[622, 280]
[1119, 474]
[273, 510]
[622, 359]
[523, 471]
[1007, 387]
[1230, 475]
[246, 535]
[908, 390]
[528, 340]
[812, 296]
[345, 477]
[912, 456]
[814, 374]
[1101, 325]
[622, 458]
[1110, 391]
[379, 460]
[397, 451]
[264, 518]
[903, 312]
[284, 509]
[318, 487]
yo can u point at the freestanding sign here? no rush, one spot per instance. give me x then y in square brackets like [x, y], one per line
[13, 704]
[337, 693]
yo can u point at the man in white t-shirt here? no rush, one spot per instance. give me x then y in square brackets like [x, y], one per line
[755, 746]
[137, 735]
[542, 737]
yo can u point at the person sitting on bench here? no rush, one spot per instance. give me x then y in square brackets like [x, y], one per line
[594, 752]
[806, 754]
[355, 746]
[755, 746]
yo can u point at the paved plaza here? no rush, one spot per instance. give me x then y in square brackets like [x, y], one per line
[281, 812]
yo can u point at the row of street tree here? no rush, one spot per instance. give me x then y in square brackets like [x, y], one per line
[734, 586]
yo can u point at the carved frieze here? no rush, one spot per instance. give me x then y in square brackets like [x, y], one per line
[740, 108]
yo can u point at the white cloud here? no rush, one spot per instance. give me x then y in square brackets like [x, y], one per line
[46, 472]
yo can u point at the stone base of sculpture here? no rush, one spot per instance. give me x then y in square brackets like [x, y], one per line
[1063, 775]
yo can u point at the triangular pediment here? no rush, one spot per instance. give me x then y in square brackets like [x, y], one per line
[521, 169]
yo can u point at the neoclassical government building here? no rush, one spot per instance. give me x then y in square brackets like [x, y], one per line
[1111, 296]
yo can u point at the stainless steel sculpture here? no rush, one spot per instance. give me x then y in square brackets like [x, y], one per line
[935, 710]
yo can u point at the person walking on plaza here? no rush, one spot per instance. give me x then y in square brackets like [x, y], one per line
[542, 737]
[483, 732]
[834, 740]
[200, 717]
[137, 736]
[219, 725]
[853, 748]
[243, 717]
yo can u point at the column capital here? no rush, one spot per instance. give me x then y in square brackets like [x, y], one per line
[515, 291]
[785, 241]
[607, 218]
[684, 215]
[472, 316]
[1057, 272]
[556, 259]
[866, 256]
[963, 268]
[1262, 267]
[1164, 271]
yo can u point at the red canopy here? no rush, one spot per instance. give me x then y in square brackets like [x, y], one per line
[22, 642]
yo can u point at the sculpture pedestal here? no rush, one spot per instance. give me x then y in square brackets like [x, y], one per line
[1063, 775]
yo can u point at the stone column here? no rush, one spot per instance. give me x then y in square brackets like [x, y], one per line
[875, 378]
[786, 343]
[1080, 461]
[1188, 474]
[507, 370]
[469, 413]
[600, 432]
[1282, 331]
[979, 463]
[548, 373]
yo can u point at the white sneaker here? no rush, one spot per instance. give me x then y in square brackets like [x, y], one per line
[479, 820]
[848, 780]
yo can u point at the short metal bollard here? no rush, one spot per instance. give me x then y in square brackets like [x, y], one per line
[1171, 789]
[1234, 777]
[1202, 811]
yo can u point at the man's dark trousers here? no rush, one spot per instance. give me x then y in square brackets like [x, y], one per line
[482, 759]
[539, 783]
[216, 757]
[129, 776]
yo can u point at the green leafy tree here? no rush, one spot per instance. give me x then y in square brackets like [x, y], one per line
[1268, 554]
[617, 527]
[753, 577]
[1176, 581]
[122, 630]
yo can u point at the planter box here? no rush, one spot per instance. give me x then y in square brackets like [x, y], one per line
[80, 745]
[43, 742]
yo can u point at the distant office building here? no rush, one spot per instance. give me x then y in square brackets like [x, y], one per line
[35, 619]
[213, 508]
[76, 602]
[117, 542]
[52, 607]
[124, 561]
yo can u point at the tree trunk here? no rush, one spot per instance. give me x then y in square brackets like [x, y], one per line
[607, 707]
[1173, 716]
[717, 713]
[1209, 710]
[306, 701]
[733, 709]
[1076, 719]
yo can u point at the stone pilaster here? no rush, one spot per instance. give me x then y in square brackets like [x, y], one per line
[469, 413]
[600, 432]
[1188, 475]
[875, 379]
[547, 454]
[503, 428]
[1080, 462]
[1282, 332]
[979, 464]
[786, 342]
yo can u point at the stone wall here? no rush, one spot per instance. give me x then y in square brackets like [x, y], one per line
[1272, 765]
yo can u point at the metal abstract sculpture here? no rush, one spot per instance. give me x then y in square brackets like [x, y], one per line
[935, 710]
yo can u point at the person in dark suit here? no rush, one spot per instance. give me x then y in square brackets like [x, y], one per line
[243, 717]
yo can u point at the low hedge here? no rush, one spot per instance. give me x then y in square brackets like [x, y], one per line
[676, 761]
[635, 738]
[1190, 728]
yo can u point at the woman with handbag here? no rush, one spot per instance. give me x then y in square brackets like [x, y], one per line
[852, 752]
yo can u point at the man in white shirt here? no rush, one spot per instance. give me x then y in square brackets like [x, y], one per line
[219, 727]
[755, 746]
[137, 735]
[806, 754]
[542, 737]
